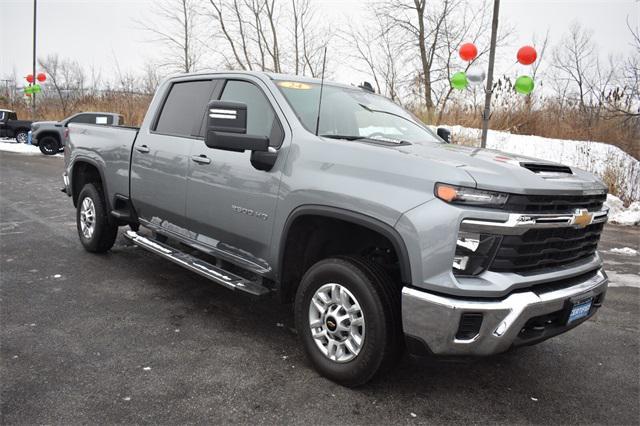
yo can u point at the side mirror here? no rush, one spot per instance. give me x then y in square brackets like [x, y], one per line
[227, 128]
[445, 134]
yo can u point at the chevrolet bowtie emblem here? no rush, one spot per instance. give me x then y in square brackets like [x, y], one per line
[582, 218]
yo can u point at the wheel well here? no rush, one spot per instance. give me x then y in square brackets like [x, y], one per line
[83, 173]
[311, 238]
[52, 134]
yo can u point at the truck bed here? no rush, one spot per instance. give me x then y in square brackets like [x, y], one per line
[108, 147]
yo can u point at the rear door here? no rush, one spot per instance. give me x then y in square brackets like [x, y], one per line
[230, 203]
[160, 158]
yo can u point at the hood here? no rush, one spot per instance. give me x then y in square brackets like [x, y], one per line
[37, 124]
[499, 171]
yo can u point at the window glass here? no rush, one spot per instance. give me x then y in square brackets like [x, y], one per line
[92, 119]
[353, 113]
[184, 106]
[261, 118]
[1, 115]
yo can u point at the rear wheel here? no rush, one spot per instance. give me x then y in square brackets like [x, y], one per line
[49, 145]
[97, 234]
[22, 136]
[348, 317]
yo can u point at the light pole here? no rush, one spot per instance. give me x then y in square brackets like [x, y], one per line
[492, 58]
[33, 69]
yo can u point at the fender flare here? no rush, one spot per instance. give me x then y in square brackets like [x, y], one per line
[361, 219]
[95, 164]
[47, 133]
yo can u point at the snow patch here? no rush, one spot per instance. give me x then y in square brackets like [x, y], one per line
[10, 145]
[627, 251]
[621, 215]
[602, 159]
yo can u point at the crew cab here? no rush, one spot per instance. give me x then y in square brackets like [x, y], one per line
[49, 136]
[11, 127]
[382, 235]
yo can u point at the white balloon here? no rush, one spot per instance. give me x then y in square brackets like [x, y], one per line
[476, 75]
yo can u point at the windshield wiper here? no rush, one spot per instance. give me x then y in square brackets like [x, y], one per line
[346, 137]
[359, 138]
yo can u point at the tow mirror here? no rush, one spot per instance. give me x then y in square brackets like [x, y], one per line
[445, 134]
[227, 128]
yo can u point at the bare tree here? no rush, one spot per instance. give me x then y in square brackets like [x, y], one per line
[267, 35]
[422, 25]
[574, 59]
[375, 51]
[177, 32]
[67, 79]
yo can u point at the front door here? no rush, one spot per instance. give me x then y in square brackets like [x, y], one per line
[231, 205]
[160, 158]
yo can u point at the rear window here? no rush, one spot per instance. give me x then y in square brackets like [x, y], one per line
[93, 119]
[185, 106]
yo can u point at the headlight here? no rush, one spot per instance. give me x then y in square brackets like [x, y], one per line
[474, 252]
[470, 196]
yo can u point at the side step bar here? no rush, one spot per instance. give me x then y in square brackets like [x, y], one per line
[198, 266]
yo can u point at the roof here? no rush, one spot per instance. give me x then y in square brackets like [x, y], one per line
[6, 110]
[271, 76]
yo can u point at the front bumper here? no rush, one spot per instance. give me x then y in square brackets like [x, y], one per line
[524, 317]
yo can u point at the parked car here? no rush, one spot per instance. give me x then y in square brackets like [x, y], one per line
[49, 135]
[383, 235]
[11, 127]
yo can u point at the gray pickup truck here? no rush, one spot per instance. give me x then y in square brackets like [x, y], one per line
[49, 136]
[383, 236]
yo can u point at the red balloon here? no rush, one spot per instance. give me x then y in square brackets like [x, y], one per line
[41, 77]
[527, 55]
[30, 78]
[468, 51]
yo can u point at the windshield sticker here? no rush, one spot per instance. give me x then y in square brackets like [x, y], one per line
[294, 85]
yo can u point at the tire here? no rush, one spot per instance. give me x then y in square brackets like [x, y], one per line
[378, 298]
[99, 234]
[49, 145]
[22, 136]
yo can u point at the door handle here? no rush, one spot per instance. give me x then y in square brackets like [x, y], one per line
[201, 159]
[143, 149]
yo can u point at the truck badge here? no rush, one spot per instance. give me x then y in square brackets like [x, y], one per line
[582, 218]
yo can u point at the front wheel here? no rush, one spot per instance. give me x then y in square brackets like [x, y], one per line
[97, 234]
[348, 317]
[49, 145]
[22, 136]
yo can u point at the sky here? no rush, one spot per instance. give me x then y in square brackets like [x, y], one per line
[99, 33]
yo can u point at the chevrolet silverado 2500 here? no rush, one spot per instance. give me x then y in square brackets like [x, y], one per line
[382, 235]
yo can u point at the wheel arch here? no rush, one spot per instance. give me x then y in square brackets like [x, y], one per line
[348, 217]
[84, 170]
[49, 133]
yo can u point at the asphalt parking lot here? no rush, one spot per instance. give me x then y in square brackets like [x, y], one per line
[129, 338]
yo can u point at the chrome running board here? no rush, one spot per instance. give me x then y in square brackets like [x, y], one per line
[199, 266]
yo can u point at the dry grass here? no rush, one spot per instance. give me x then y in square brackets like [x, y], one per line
[132, 106]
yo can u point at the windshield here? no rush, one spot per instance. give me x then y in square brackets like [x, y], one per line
[352, 113]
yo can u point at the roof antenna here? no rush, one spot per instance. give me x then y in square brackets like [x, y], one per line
[324, 62]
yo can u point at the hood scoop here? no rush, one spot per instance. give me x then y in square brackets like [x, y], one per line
[548, 170]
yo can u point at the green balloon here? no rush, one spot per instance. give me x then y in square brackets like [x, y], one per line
[459, 81]
[524, 85]
[28, 90]
[36, 88]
